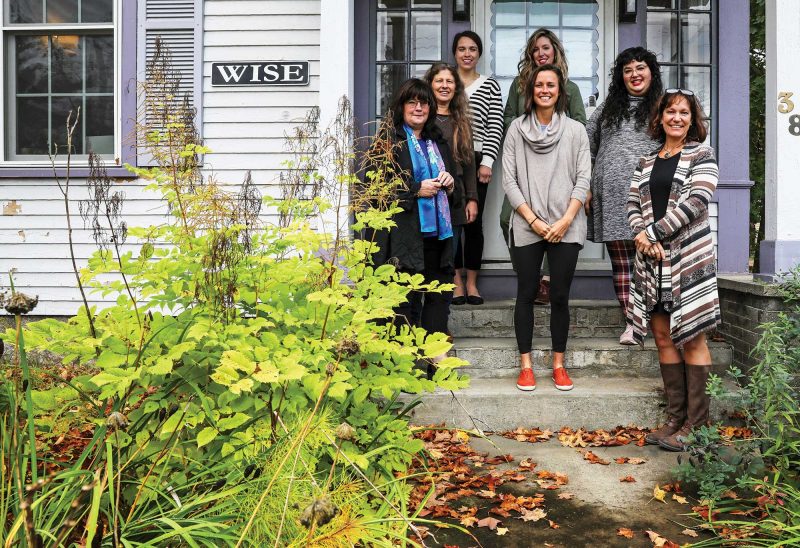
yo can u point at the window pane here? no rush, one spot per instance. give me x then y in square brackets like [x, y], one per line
[509, 13]
[100, 125]
[696, 4]
[97, 11]
[32, 134]
[66, 64]
[698, 79]
[62, 11]
[426, 35]
[662, 36]
[61, 108]
[508, 47]
[588, 87]
[543, 13]
[578, 13]
[393, 4]
[391, 36]
[669, 76]
[582, 52]
[99, 63]
[31, 63]
[696, 38]
[661, 4]
[389, 78]
[25, 11]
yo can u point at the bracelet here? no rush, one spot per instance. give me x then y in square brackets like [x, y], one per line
[533, 221]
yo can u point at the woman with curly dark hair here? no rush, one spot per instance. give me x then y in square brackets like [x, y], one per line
[618, 137]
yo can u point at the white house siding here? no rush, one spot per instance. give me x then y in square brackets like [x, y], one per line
[245, 128]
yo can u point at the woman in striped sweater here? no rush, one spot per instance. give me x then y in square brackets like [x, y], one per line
[674, 285]
[486, 112]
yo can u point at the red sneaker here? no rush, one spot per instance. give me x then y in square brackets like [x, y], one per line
[561, 379]
[526, 381]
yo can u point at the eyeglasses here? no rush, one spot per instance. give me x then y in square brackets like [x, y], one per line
[686, 92]
[416, 102]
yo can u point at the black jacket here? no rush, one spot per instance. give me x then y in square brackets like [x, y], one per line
[403, 244]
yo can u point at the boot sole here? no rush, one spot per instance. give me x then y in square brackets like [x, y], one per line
[527, 388]
[672, 448]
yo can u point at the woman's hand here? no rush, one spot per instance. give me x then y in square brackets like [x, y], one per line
[587, 205]
[471, 210]
[642, 243]
[557, 230]
[657, 252]
[540, 227]
[428, 188]
[446, 180]
[484, 174]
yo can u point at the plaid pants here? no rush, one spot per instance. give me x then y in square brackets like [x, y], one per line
[622, 253]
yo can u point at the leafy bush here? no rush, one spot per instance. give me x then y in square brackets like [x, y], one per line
[246, 376]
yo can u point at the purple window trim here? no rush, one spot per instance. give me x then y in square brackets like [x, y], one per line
[127, 90]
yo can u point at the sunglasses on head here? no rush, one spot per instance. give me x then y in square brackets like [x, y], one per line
[686, 92]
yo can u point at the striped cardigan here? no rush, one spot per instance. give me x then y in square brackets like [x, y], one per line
[486, 115]
[685, 234]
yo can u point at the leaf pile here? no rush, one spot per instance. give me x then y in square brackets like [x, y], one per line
[621, 435]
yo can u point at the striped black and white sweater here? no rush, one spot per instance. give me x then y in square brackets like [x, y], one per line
[486, 114]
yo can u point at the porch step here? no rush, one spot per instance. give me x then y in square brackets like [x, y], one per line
[496, 319]
[497, 405]
[497, 357]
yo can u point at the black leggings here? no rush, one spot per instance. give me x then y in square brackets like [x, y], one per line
[430, 310]
[469, 254]
[563, 257]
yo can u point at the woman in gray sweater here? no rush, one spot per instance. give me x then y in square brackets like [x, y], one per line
[546, 168]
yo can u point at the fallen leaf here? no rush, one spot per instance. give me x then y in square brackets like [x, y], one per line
[553, 524]
[527, 464]
[660, 541]
[566, 496]
[502, 531]
[621, 460]
[729, 494]
[681, 500]
[624, 532]
[628, 479]
[485, 494]
[532, 515]
[500, 512]
[636, 460]
[594, 459]
[461, 436]
[469, 521]
[489, 522]
[689, 532]
[659, 494]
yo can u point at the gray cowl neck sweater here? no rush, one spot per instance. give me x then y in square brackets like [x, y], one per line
[546, 169]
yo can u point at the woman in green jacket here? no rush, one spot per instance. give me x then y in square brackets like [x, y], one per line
[543, 48]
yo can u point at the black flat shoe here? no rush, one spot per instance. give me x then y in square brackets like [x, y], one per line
[474, 299]
[461, 299]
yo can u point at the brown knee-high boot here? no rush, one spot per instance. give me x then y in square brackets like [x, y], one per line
[675, 389]
[697, 404]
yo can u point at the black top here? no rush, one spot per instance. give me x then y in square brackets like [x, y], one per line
[661, 184]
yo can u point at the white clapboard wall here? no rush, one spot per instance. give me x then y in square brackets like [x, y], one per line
[244, 127]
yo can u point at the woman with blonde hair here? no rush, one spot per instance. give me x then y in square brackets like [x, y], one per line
[543, 48]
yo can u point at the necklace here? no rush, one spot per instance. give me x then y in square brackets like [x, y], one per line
[670, 151]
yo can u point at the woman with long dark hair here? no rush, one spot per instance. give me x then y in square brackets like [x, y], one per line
[543, 48]
[546, 168]
[421, 241]
[486, 112]
[618, 137]
[674, 287]
[452, 119]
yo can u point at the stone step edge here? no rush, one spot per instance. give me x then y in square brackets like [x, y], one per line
[576, 343]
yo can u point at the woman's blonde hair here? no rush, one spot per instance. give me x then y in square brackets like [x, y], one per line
[459, 112]
[527, 64]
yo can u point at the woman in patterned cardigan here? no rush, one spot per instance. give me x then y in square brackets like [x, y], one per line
[674, 285]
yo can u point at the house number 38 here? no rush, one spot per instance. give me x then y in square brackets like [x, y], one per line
[785, 106]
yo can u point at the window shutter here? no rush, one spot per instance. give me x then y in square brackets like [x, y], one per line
[179, 23]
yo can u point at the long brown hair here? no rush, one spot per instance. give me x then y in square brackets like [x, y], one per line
[698, 131]
[527, 64]
[459, 112]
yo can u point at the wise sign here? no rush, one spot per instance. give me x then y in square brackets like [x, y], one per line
[260, 73]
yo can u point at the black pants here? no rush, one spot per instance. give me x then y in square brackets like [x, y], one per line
[563, 257]
[470, 253]
[430, 310]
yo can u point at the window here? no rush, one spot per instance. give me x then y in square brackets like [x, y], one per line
[59, 57]
[408, 40]
[575, 22]
[680, 34]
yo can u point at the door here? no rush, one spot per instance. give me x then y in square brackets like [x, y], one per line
[587, 31]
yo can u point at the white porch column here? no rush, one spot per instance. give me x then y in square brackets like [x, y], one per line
[335, 80]
[780, 250]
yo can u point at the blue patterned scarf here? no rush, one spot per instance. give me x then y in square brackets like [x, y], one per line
[434, 213]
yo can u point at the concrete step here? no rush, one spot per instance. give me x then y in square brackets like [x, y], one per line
[497, 405]
[496, 319]
[497, 357]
